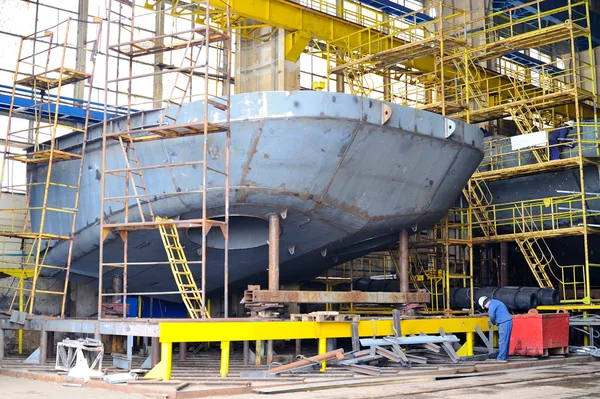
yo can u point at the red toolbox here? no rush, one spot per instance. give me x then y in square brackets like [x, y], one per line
[540, 334]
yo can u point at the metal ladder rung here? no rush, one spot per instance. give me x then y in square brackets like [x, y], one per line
[52, 267]
[218, 105]
[49, 292]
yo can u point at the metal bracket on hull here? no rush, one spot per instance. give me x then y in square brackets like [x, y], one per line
[386, 113]
[449, 128]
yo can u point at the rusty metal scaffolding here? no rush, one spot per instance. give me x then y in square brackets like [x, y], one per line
[46, 64]
[127, 203]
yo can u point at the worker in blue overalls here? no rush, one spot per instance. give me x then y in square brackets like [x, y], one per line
[499, 316]
[557, 137]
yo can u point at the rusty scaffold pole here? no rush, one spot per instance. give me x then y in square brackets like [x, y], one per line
[134, 199]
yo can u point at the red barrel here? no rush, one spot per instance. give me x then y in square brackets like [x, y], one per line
[540, 334]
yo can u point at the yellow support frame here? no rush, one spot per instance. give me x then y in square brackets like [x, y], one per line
[244, 330]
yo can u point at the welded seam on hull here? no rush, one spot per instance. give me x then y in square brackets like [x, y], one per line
[339, 165]
[241, 194]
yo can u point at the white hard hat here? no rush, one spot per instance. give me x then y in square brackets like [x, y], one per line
[482, 300]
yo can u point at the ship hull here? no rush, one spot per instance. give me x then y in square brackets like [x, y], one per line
[346, 181]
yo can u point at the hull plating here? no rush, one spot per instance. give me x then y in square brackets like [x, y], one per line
[348, 182]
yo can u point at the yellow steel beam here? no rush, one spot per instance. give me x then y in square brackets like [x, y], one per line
[295, 43]
[467, 348]
[17, 272]
[314, 24]
[290, 16]
[225, 347]
[282, 330]
[230, 331]
[162, 370]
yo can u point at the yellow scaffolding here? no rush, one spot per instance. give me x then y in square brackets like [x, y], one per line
[477, 77]
[533, 102]
[46, 65]
[374, 61]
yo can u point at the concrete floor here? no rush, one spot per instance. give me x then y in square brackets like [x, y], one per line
[22, 388]
[562, 382]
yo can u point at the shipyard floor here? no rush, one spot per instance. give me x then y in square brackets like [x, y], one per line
[559, 382]
[560, 377]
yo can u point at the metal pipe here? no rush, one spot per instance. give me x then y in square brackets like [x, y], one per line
[43, 346]
[403, 261]
[273, 267]
[503, 264]
[274, 252]
[155, 354]
[116, 286]
[182, 350]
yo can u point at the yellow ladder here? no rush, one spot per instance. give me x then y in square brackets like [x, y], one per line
[475, 193]
[521, 115]
[535, 250]
[539, 263]
[471, 72]
[184, 279]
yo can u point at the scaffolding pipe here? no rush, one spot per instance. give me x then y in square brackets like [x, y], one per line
[503, 264]
[403, 261]
[274, 252]
[273, 267]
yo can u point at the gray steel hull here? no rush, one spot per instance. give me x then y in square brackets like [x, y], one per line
[348, 183]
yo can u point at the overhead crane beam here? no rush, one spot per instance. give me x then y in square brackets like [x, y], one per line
[311, 23]
[308, 22]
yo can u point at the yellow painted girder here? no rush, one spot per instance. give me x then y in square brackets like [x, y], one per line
[232, 331]
[318, 25]
[17, 272]
[290, 16]
[310, 23]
